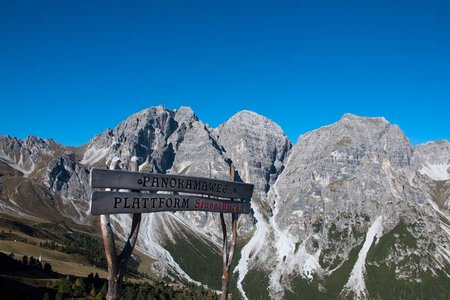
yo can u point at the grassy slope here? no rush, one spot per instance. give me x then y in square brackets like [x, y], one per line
[255, 284]
[381, 279]
[332, 284]
[24, 239]
[197, 259]
[61, 262]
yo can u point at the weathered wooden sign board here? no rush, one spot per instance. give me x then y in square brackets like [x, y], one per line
[188, 194]
[125, 203]
[105, 202]
[117, 179]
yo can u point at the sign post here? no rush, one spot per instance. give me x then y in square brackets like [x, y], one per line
[188, 194]
[117, 263]
[228, 253]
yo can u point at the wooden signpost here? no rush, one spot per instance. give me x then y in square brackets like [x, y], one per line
[120, 203]
[116, 179]
[188, 194]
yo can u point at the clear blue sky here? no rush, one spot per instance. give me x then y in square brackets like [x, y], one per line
[70, 69]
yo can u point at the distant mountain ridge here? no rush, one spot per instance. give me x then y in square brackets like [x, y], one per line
[352, 210]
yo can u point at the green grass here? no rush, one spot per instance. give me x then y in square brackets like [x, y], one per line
[336, 281]
[76, 247]
[379, 251]
[255, 284]
[302, 289]
[381, 280]
[382, 283]
[61, 262]
[145, 262]
[334, 236]
[197, 259]
[332, 285]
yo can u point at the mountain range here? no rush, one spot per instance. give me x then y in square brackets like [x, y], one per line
[351, 210]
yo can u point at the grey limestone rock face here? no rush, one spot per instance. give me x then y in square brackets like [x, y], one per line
[433, 152]
[431, 175]
[44, 185]
[353, 166]
[29, 155]
[433, 160]
[200, 155]
[143, 135]
[70, 180]
[339, 180]
[257, 146]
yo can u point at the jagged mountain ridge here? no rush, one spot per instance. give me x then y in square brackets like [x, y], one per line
[308, 214]
[354, 178]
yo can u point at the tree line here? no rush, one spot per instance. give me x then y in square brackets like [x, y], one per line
[57, 286]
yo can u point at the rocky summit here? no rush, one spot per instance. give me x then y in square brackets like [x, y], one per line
[352, 210]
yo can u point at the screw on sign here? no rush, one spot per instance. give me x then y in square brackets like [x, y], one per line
[188, 195]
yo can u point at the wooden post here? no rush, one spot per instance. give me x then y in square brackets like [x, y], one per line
[227, 254]
[117, 263]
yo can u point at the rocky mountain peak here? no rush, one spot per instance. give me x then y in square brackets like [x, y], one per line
[143, 134]
[363, 135]
[154, 116]
[436, 151]
[433, 160]
[357, 118]
[32, 141]
[252, 120]
[185, 114]
[29, 154]
[257, 146]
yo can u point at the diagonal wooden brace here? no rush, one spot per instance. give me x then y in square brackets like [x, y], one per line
[117, 263]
